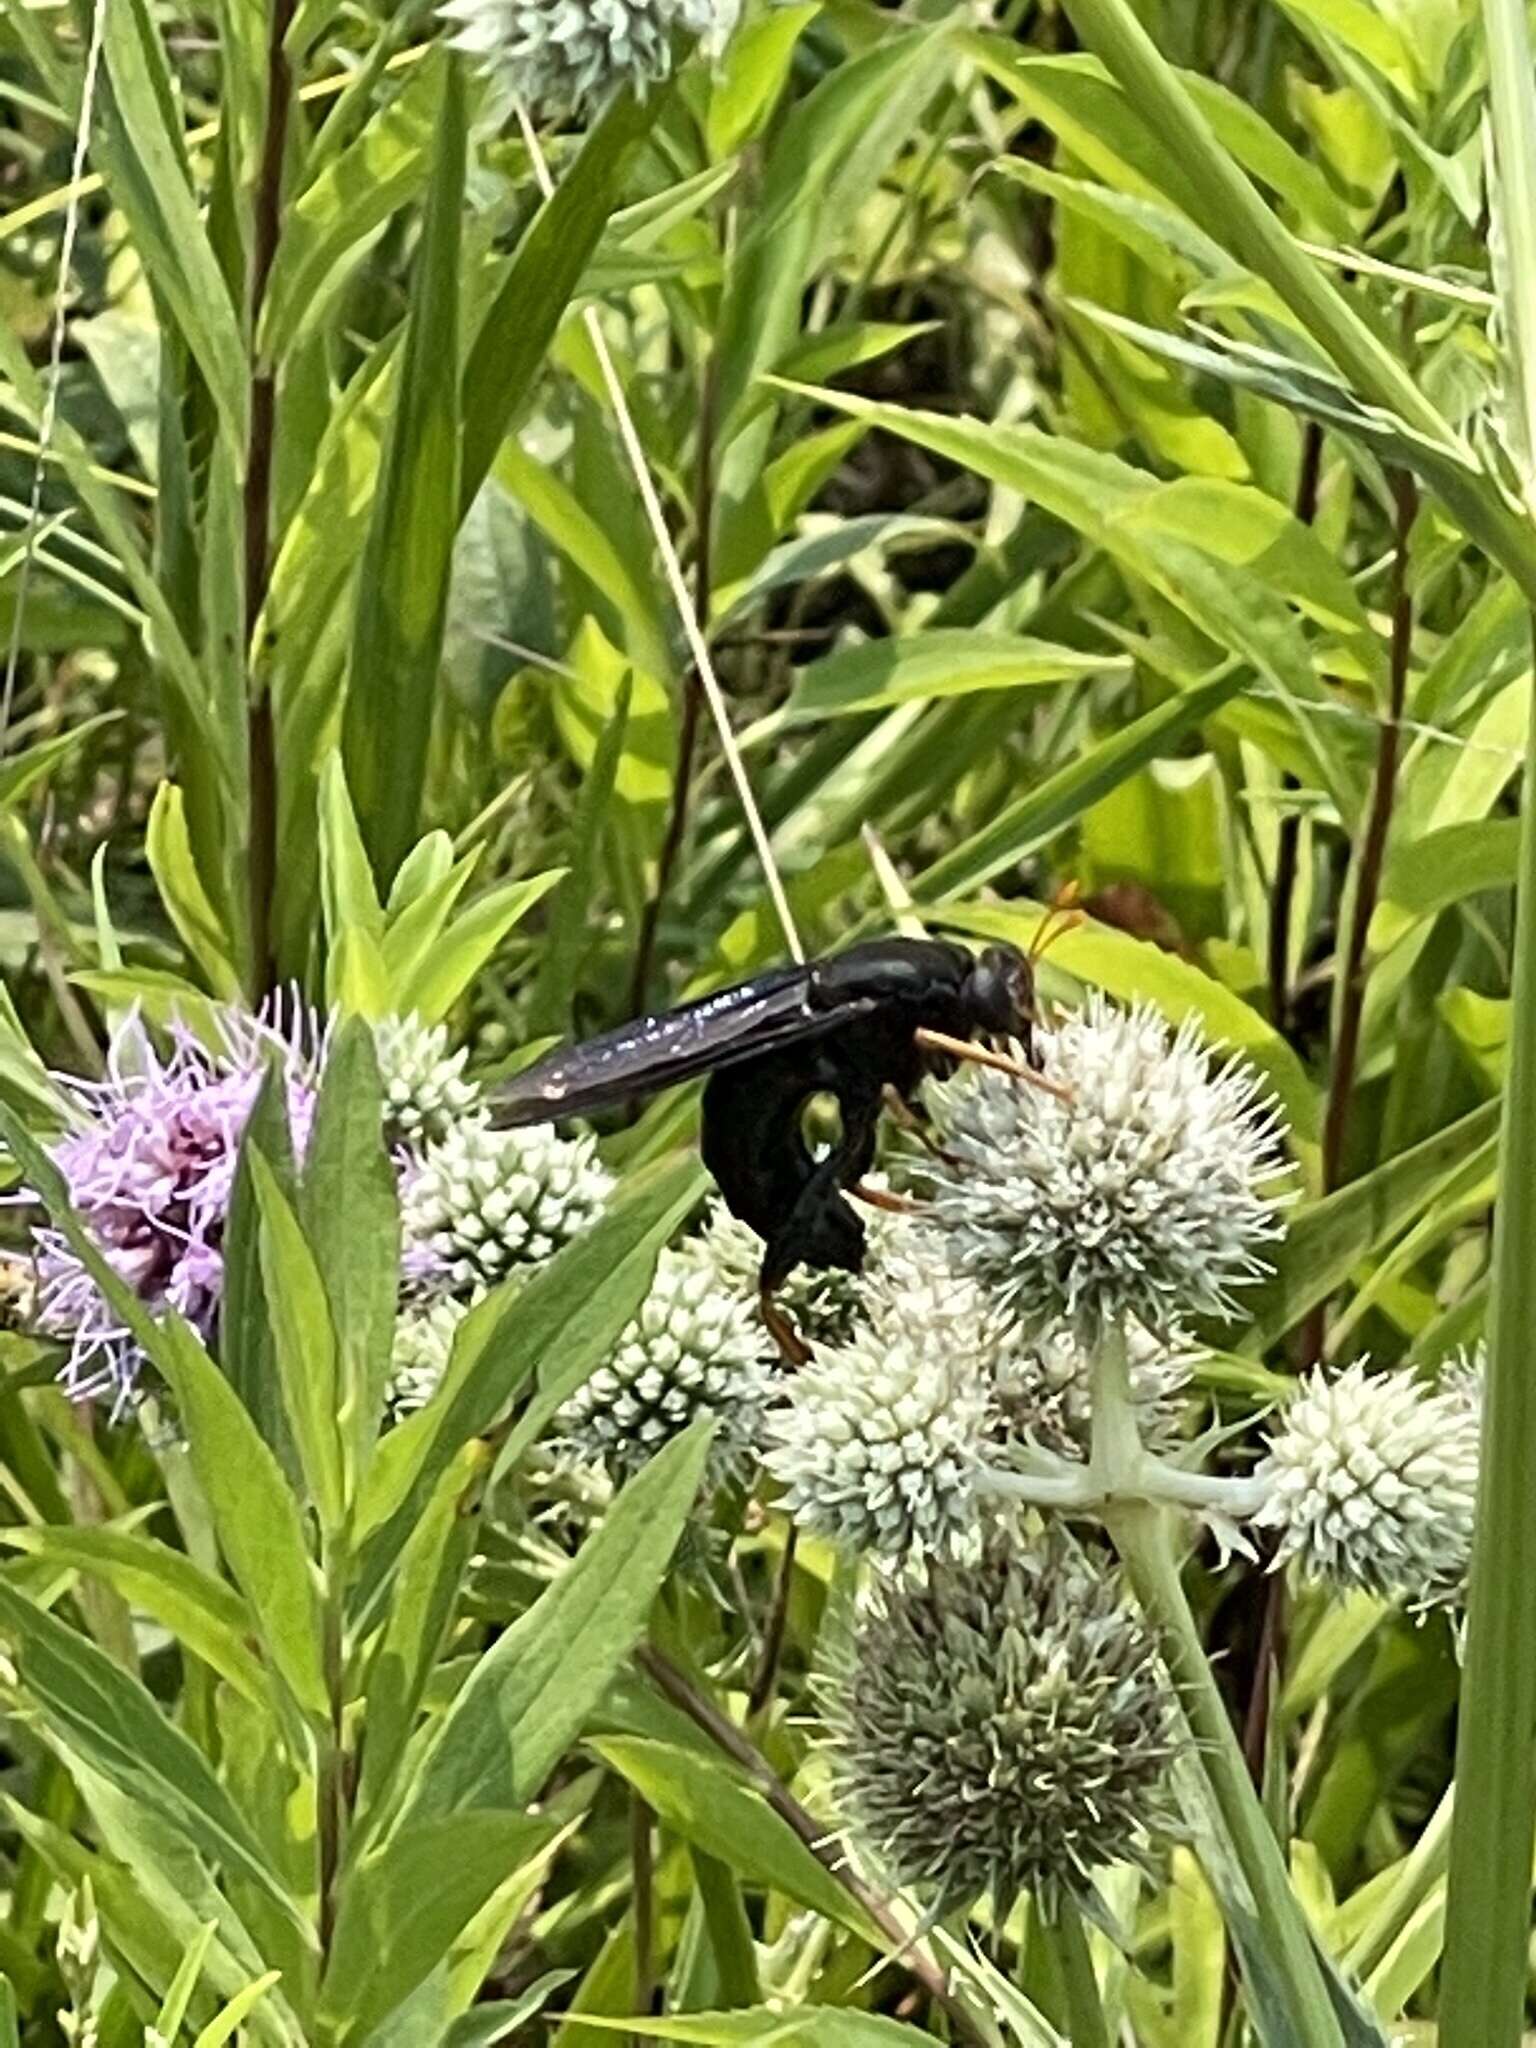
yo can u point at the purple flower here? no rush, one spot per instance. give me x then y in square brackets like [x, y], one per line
[150, 1166]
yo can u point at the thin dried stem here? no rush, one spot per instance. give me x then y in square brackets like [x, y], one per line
[672, 567]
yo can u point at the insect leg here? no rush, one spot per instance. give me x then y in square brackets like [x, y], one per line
[792, 1345]
[886, 1198]
[910, 1119]
[983, 1056]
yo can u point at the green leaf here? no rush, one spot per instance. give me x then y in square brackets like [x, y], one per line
[545, 270]
[173, 2009]
[402, 592]
[403, 1907]
[225, 2024]
[554, 1327]
[1032, 820]
[351, 1216]
[943, 663]
[304, 1344]
[204, 1615]
[255, 1514]
[334, 219]
[423, 1595]
[709, 1806]
[1327, 1239]
[139, 147]
[569, 929]
[804, 2026]
[1428, 874]
[97, 1713]
[245, 1325]
[169, 848]
[438, 981]
[529, 1696]
[347, 889]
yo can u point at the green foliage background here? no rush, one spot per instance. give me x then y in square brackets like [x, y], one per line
[1098, 439]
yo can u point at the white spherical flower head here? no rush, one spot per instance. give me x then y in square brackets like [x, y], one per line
[692, 1350]
[879, 1446]
[425, 1092]
[1144, 1192]
[1004, 1726]
[565, 56]
[481, 1204]
[1372, 1483]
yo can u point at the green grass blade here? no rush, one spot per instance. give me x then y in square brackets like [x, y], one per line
[1488, 1909]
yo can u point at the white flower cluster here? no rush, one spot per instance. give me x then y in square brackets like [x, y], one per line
[1371, 1483]
[690, 1351]
[1145, 1190]
[425, 1091]
[423, 1345]
[480, 1204]
[565, 56]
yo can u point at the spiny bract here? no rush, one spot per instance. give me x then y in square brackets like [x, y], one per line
[480, 1204]
[565, 56]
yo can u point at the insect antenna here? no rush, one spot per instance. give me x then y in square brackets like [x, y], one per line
[1062, 916]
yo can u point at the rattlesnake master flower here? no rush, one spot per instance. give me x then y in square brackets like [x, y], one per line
[1002, 1726]
[425, 1092]
[150, 1166]
[1044, 1386]
[481, 1203]
[1143, 1195]
[879, 1445]
[692, 1350]
[1372, 1482]
[565, 56]
[824, 1307]
[423, 1344]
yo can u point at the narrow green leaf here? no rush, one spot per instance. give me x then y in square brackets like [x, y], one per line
[96, 1712]
[204, 1614]
[543, 273]
[351, 1216]
[303, 1342]
[224, 2025]
[347, 891]
[527, 1699]
[1031, 820]
[403, 1907]
[555, 1328]
[569, 926]
[1327, 1239]
[805, 2026]
[915, 667]
[173, 2008]
[708, 1806]
[245, 1325]
[168, 845]
[468, 945]
[402, 599]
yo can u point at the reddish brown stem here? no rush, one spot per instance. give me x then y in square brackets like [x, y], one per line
[1288, 845]
[262, 764]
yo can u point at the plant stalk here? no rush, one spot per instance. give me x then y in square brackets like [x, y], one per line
[261, 769]
[642, 1863]
[1086, 2026]
[908, 1951]
[1142, 1535]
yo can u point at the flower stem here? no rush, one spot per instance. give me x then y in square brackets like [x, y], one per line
[1086, 2026]
[1142, 1534]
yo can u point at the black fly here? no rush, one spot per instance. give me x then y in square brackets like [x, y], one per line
[864, 1026]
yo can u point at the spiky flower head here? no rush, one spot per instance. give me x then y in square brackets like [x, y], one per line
[425, 1092]
[149, 1162]
[1145, 1191]
[1371, 1483]
[565, 56]
[824, 1307]
[692, 1350]
[423, 1345]
[879, 1445]
[1002, 1726]
[479, 1204]
[1044, 1386]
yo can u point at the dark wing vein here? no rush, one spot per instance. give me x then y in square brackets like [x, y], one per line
[719, 1030]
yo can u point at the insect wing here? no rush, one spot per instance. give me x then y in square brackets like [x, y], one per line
[757, 1016]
